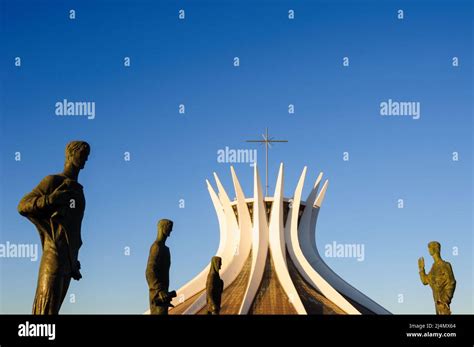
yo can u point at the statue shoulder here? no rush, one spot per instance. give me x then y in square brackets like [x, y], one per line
[164, 248]
[447, 265]
[154, 248]
[51, 181]
[158, 249]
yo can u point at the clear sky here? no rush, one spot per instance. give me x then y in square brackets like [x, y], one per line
[282, 62]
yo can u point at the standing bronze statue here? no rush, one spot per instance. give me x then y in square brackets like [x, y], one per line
[158, 271]
[440, 278]
[56, 207]
[214, 287]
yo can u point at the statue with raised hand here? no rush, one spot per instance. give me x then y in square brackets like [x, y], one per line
[56, 207]
[214, 287]
[440, 278]
[157, 271]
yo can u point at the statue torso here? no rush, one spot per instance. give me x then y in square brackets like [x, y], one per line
[439, 275]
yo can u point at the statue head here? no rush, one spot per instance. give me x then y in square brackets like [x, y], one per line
[434, 247]
[216, 263]
[77, 153]
[165, 226]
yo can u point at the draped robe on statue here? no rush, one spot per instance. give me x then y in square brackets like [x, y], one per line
[60, 234]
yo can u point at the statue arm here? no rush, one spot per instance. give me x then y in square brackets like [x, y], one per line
[37, 202]
[151, 277]
[425, 278]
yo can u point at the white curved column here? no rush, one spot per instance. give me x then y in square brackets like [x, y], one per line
[307, 232]
[259, 245]
[245, 223]
[277, 246]
[301, 263]
[305, 239]
[235, 259]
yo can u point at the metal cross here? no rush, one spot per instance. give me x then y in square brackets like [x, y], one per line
[268, 143]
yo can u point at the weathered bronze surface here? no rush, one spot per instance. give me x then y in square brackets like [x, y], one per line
[157, 271]
[214, 287]
[56, 207]
[440, 278]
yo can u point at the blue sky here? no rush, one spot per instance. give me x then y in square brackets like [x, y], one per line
[282, 62]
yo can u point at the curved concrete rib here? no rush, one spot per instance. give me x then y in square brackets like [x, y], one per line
[233, 256]
[259, 246]
[245, 223]
[277, 246]
[235, 261]
[301, 263]
[307, 234]
[306, 238]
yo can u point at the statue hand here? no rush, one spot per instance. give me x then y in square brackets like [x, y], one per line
[212, 309]
[421, 264]
[76, 274]
[59, 197]
[163, 296]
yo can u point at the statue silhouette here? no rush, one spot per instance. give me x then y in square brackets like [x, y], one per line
[56, 207]
[214, 287]
[440, 278]
[157, 271]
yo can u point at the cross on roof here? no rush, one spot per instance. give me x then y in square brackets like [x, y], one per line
[267, 140]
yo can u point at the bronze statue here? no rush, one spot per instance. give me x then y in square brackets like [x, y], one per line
[157, 271]
[214, 287]
[56, 207]
[440, 278]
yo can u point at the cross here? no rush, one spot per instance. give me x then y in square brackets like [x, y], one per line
[268, 143]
